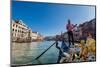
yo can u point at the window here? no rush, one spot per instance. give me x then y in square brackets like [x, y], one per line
[13, 25]
[22, 31]
[19, 27]
[16, 26]
[13, 29]
[18, 31]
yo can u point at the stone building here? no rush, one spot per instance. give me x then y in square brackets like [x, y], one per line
[88, 27]
[34, 35]
[21, 32]
[83, 30]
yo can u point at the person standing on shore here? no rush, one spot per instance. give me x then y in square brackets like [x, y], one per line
[69, 28]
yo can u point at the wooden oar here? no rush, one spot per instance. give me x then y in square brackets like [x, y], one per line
[44, 51]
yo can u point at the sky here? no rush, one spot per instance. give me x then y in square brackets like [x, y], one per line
[50, 19]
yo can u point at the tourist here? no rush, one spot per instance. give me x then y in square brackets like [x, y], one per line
[84, 51]
[90, 43]
[66, 50]
[70, 28]
[63, 50]
[64, 46]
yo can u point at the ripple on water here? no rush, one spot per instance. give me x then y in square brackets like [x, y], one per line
[23, 53]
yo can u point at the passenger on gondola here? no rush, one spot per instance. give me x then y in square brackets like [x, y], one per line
[63, 50]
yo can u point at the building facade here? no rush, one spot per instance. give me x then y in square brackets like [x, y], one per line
[21, 32]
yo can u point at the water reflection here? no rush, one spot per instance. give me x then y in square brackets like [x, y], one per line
[25, 53]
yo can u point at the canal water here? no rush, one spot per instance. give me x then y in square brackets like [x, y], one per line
[25, 53]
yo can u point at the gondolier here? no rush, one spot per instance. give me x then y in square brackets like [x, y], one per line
[69, 28]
